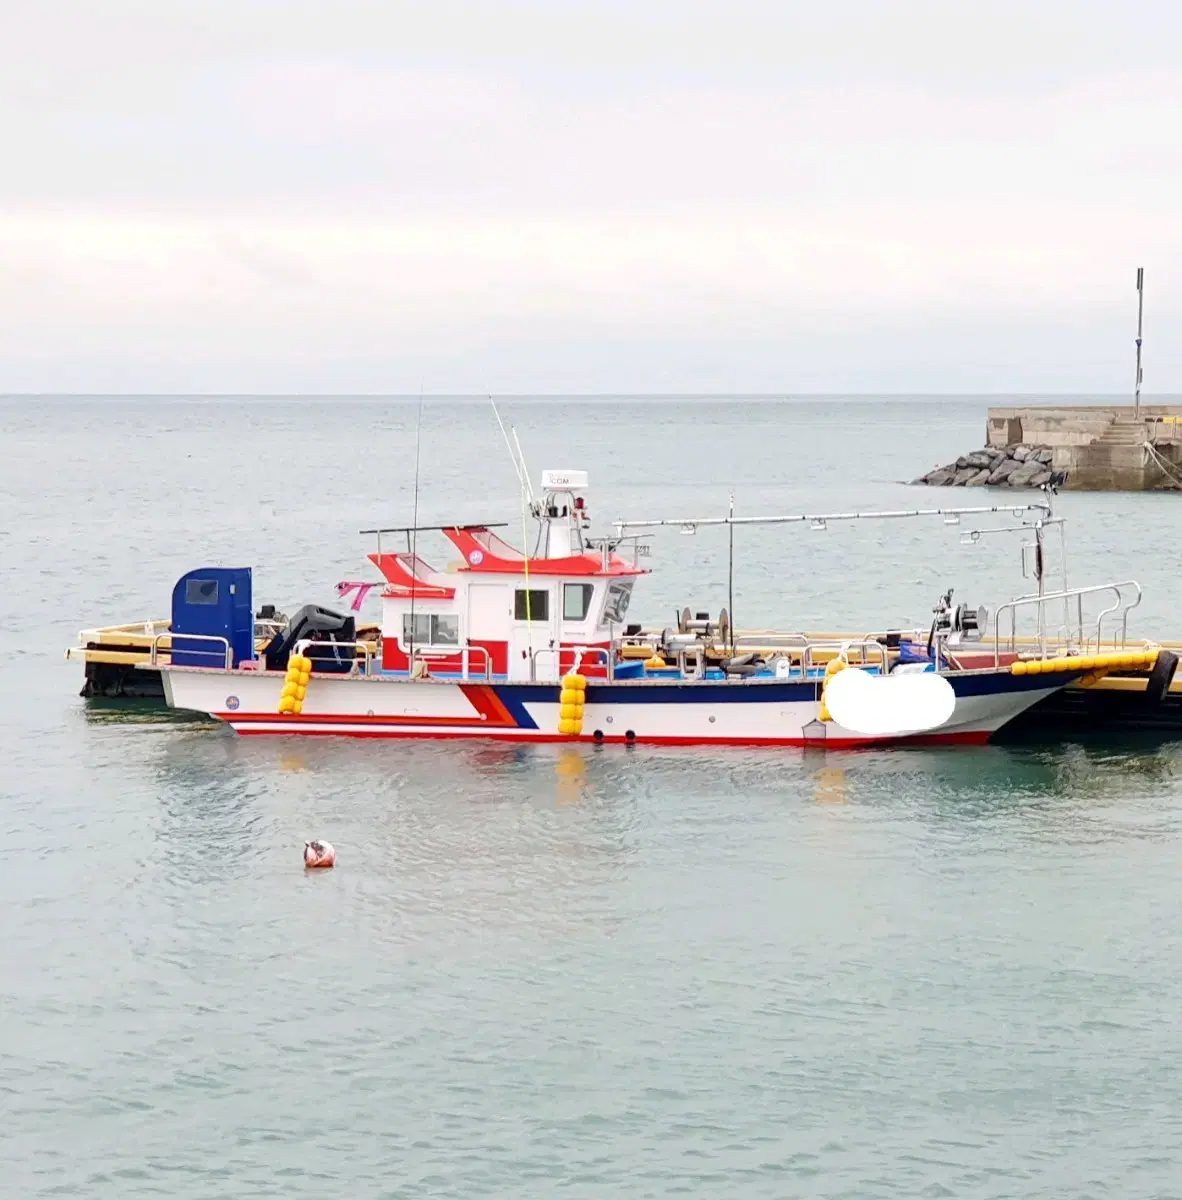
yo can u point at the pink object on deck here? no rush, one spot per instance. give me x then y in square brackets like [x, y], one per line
[362, 590]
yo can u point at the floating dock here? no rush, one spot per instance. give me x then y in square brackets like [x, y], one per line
[121, 661]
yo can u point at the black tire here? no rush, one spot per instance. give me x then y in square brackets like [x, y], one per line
[1161, 677]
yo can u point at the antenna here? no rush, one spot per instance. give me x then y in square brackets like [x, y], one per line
[1140, 311]
[518, 465]
[414, 536]
[529, 487]
[730, 572]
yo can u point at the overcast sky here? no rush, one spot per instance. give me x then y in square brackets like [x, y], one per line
[540, 195]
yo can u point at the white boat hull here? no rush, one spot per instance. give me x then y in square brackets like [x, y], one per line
[726, 712]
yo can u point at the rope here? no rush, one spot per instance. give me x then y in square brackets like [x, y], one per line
[1167, 470]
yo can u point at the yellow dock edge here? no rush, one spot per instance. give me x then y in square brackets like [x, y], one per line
[131, 644]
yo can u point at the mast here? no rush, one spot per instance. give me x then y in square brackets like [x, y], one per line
[730, 573]
[413, 539]
[1140, 311]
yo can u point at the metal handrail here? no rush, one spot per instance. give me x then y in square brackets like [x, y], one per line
[1119, 605]
[699, 652]
[422, 653]
[787, 643]
[154, 651]
[579, 651]
[862, 645]
[533, 660]
[797, 648]
[608, 658]
[302, 645]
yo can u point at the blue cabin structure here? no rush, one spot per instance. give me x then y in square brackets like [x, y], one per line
[212, 602]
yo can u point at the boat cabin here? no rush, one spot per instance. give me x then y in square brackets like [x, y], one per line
[498, 611]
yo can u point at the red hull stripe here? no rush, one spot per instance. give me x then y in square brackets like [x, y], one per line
[960, 738]
[490, 714]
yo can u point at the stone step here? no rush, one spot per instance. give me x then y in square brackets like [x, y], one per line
[1122, 433]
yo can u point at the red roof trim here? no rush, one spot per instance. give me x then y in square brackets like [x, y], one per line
[403, 583]
[480, 559]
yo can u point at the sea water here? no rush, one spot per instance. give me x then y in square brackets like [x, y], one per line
[564, 971]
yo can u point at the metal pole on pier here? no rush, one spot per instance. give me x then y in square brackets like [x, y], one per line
[1140, 310]
[730, 574]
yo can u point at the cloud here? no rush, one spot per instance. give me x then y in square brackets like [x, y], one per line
[462, 187]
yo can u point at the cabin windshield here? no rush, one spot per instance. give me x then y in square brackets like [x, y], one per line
[576, 600]
[619, 593]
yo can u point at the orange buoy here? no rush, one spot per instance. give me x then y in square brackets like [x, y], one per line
[319, 854]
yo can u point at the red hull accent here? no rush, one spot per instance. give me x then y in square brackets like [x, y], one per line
[486, 732]
[491, 713]
[394, 658]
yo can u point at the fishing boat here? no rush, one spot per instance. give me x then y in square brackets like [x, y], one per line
[535, 645]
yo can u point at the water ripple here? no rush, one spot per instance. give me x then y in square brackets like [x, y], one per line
[552, 971]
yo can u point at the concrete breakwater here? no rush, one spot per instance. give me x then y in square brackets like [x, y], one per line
[1089, 447]
[1014, 466]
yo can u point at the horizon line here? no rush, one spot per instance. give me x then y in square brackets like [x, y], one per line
[482, 397]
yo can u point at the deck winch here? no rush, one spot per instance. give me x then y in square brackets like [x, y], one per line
[958, 623]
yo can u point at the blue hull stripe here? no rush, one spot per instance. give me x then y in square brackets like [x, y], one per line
[515, 696]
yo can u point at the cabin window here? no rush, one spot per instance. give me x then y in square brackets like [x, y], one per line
[576, 600]
[445, 631]
[532, 605]
[619, 593]
[201, 591]
[416, 629]
[426, 629]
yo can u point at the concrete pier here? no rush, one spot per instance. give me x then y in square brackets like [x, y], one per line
[1098, 447]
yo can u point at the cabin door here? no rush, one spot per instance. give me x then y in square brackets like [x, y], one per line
[533, 634]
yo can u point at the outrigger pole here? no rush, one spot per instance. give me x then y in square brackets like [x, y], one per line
[820, 520]
[1040, 510]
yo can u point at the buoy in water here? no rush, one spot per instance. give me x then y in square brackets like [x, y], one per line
[319, 854]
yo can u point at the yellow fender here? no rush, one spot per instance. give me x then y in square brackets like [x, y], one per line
[572, 699]
[831, 668]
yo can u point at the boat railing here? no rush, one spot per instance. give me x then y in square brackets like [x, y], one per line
[1073, 632]
[227, 654]
[868, 648]
[698, 653]
[301, 647]
[555, 652]
[608, 656]
[425, 654]
[813, 653]
[804, 652]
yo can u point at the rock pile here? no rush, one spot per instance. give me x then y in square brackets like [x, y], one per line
[1015, 466]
